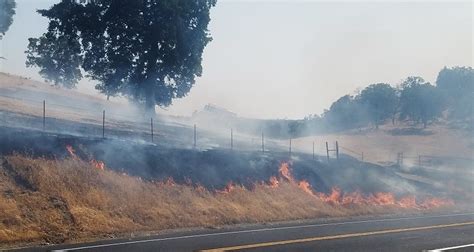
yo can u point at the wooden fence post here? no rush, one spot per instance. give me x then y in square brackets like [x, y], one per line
[151, 128]
[290, 148]
[194, 144]
[400, 158]
[44, 115]
[337, 150]
[327, 151]
[103, 124]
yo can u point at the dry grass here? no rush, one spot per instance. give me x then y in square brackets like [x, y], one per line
[379, 146]
[68, 200]
[80, 107]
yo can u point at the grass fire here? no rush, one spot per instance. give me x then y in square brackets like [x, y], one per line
[97, 202]
[218, 125]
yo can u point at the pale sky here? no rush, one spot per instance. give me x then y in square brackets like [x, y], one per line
[289, 59]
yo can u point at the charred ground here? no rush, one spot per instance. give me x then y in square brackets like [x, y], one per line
[214, 168]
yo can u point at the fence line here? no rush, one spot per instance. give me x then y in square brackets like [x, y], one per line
[359, 154]
[142, 129]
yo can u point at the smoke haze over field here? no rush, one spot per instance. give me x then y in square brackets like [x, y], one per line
[284, 59]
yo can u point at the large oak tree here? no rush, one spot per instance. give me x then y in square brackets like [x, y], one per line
[381, 102]
[147, 50]
[7, 10]
[420, 101]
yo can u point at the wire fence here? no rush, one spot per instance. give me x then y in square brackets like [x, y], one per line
[100, 120]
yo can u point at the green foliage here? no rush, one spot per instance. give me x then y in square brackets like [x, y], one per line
[380, 100]
[420, 101]
[346, 113]
[147, 50]
[7, 10]
[457, 86]
[58, 52]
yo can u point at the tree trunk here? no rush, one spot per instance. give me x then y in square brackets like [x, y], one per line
[150, 102]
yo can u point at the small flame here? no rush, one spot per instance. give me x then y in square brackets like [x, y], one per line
[273, 182]
[408, 202]
[382, 198]
[71, 151]
[338, 197]
[98, 164]
[199, 188]
[334, 197]
[305, 186]
[170, 182]
[436, 202]
[228, 188]
[285, 171]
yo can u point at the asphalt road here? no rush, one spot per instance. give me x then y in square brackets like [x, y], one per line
[409, 233]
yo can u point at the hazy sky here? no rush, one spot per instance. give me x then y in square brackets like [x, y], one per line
[288, 59]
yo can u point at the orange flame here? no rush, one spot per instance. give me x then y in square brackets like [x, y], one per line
[169, 181]
[228, 188]
[71, 151]
[305, 186]
[199, 188]
[95, 163]
[338, 197]
[273, 182]
[408, 202]
[98, 164]
[436, 202]
[285, 171]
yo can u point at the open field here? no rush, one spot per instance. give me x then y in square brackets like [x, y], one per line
[382, 145]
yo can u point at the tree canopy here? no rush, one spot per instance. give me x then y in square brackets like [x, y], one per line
[420, 101]
[346, 113]
[147, 50]
[7, 10]
[457, 86]
[380, 100]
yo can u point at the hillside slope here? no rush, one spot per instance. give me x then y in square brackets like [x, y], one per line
[382, 145]
[20, 96]
[69, 200]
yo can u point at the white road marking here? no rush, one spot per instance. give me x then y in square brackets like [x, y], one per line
[257, 230]
[451, 248]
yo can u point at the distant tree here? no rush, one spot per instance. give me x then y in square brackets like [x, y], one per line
[420, 101]
[7, 10]
[457, 87]
[314, 124]
[147, 50]
[296, 128]
[380, 100]
[345, 113]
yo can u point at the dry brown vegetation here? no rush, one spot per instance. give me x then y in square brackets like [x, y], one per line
[381, 146]
[68, 200]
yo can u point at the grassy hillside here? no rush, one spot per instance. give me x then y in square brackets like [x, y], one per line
[382, 145]
[67, 200]
[70, 200]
